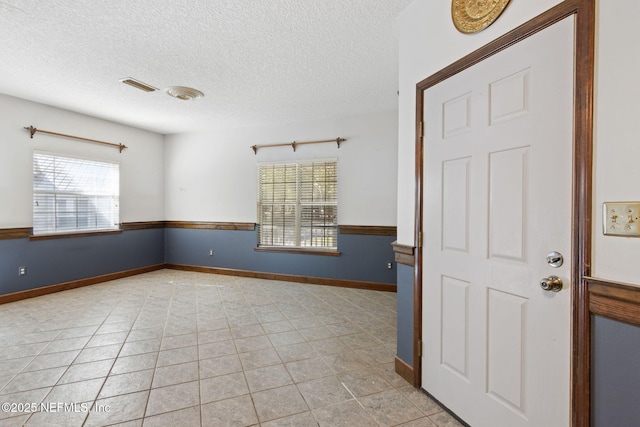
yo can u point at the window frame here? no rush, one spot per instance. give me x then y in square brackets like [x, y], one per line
[39, 233]
[298, 205]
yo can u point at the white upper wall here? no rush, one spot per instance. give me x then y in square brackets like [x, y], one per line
[141, 165]
[616, 132]
[429, 42]
[212, 176]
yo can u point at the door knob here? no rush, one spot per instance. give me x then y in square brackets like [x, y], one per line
[551, 284]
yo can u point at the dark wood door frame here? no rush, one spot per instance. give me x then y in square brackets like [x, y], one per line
[584, 13]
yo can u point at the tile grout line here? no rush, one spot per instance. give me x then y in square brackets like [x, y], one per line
[353, 395]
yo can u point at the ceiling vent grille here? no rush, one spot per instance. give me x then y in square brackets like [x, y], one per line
[138, 84]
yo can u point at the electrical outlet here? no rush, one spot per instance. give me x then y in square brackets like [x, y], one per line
[210, 252]
[621, 218]
[389, 266]
[22, 270]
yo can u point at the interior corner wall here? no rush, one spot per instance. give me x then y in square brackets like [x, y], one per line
[212, 176]
[194, 177]
[141, 196]
[429, 42]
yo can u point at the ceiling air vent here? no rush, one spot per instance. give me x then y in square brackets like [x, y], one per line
[138, 84]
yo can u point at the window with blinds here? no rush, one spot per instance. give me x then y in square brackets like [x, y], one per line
[298, 205]
[72, 194]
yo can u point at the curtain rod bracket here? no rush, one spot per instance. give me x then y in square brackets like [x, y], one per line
[31, 130]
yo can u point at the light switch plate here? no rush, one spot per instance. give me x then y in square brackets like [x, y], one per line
[621, 218]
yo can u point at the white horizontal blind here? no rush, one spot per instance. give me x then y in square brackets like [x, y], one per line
[298, 205]
[74, 194]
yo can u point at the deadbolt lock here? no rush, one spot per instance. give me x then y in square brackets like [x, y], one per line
[555, 259]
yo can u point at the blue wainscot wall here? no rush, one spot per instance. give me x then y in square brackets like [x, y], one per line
[60, 260]
[405, 314]
[363, 257]
[615, 366]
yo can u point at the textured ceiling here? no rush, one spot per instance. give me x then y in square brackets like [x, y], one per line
[257, 62]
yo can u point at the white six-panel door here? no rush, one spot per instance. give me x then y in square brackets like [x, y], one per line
[497, 200]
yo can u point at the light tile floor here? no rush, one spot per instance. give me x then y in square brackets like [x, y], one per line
[173, 348]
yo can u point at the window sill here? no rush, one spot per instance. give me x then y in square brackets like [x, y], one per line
[303, 251]
[73, 234]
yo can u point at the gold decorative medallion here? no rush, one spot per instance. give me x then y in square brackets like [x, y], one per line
[471, 16]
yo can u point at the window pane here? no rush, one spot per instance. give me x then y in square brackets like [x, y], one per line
[65, 204]
[66, 222]
[74, 194]
[319, 225]
[318, 182]
[297, 204]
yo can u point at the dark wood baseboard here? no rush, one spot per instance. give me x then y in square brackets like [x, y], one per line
[617, 301]
[31, 293]
[405, 371]
[355, 284]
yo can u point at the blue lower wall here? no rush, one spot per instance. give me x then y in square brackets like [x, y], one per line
[363, 257]
[615, 373]
[60, 260]
[405, 314]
